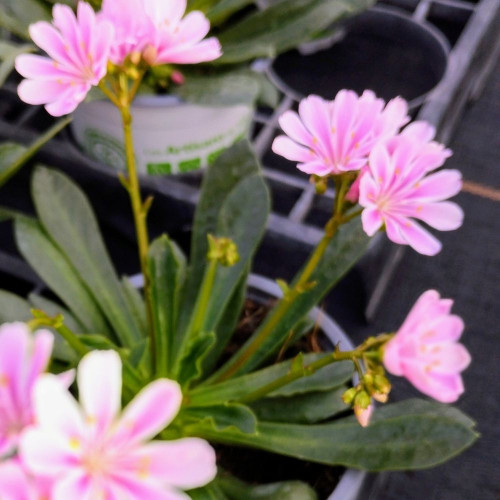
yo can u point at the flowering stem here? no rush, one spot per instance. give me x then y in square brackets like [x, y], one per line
[305, 371]
[355, 356]
[140, 211]
[301, 285]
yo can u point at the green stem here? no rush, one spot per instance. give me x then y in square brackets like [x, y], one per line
[331, 228]
[32, 149]
[304, 372]
[139, 210]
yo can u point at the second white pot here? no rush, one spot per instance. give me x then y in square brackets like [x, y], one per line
[169, 136]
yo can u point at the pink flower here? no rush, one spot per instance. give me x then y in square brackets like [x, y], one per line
[159, 29]
[425, 349]
[331, 137]
[16, 484]
[78, 48]
[92, 452]
[396, 189]
[23, 357]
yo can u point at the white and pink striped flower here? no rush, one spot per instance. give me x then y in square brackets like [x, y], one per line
[23, 357]
[94, 452]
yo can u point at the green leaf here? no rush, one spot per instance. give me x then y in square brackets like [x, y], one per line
[8, 53]
[303, 408]
[14, 156]
[136, 304]
[55, 270]
[348, 245]
[325, 379]
[167, 267]
[210, 492]
[191, 364]
[231, 167]
[404, 436]
[282, 26]
[225, 416]
[243, 87]
[17, 15]
[13, 308]
[69, 220]
[223, 9]
[284, 490]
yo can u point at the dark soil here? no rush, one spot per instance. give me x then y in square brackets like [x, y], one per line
[260, 467]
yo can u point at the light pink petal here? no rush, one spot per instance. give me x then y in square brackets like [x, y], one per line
[43, 344]
[67, 378]
[344, 112]
[68, 101]
[445, 216]
[165, 10]
[392, 358]
[100, 387]
[380, 165]
[40, 92]
[424, 309]
[66, 22]
[42, 68]
[284, 146]
[444, 328]
[316, 167]
[445, 388]
[55, 408]
[364, 416]
[185, 463]
[193, 28]
[392, 228]
[50, 40]
[47, 453]
[448, 358]
[315, 114]
[150, 411]
[418, 238]
[76, 485]
[294, 128]
[395, 115]
[125, 486]
[438, 186]
[13, 482]
[372, 220]
[369, 190]
[420, 131]
[204, 51]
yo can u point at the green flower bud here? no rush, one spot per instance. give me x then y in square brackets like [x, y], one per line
[349, 395]
[224, 250]
[362, 400]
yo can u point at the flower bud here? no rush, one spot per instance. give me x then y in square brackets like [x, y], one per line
[349, 395]
[363, 415]
[178, 78]
[362, 400]
[224, 250]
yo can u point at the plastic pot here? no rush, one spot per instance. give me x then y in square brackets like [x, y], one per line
[382, 49]
[170, 136]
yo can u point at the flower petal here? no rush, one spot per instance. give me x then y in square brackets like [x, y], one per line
[418, 238]
[76, 485]
[284, 146]
[294, 128]
[445, 215]
[100, 387]
[372, 220]
[185, 463]
[149, 412]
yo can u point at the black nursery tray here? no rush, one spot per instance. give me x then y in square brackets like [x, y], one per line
[467, 28]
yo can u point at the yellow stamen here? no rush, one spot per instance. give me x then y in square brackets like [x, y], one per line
[74, 443]
[4, 380]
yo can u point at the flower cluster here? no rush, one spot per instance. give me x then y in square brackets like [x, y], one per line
[362, 136]
[81, 46]
[66, 450]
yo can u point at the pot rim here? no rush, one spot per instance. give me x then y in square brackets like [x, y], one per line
[430, 30]
[351, 481]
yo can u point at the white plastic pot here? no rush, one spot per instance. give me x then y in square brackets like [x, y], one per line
[170, 136]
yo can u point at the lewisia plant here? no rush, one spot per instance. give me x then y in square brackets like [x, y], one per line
[160, 352]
